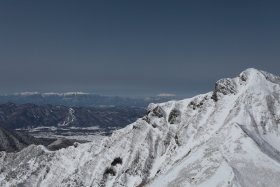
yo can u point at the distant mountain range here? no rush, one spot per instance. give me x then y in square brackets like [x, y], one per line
[26, 116]
[81, 99]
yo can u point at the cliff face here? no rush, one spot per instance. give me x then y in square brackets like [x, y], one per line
[228, 137]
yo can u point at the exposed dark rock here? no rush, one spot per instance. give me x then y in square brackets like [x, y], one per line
[243, 77]
[174, 116]
[116, 161]
[177, 140]
[110, 171]
[195, 104]
[157, 111]
[224, 87]
[147, 119]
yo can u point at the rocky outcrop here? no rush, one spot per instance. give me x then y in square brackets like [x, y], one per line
[224, 87]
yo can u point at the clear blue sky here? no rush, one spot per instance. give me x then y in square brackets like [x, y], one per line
[135, 48]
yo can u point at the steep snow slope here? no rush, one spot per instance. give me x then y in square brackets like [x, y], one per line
[228, 137]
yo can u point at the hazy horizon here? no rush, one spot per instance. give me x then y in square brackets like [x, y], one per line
[163, 94]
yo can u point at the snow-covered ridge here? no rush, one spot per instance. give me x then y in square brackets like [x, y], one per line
[26, 93]
[50, 93]
[227, 137]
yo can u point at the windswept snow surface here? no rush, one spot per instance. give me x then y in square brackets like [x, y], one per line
[227, 137]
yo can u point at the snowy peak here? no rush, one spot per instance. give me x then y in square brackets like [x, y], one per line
[247, 79]
[227, 137]
[253, 76]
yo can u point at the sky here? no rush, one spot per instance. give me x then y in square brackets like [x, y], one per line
[134, 48]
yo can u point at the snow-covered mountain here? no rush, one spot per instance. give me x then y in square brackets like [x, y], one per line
[227, 137]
